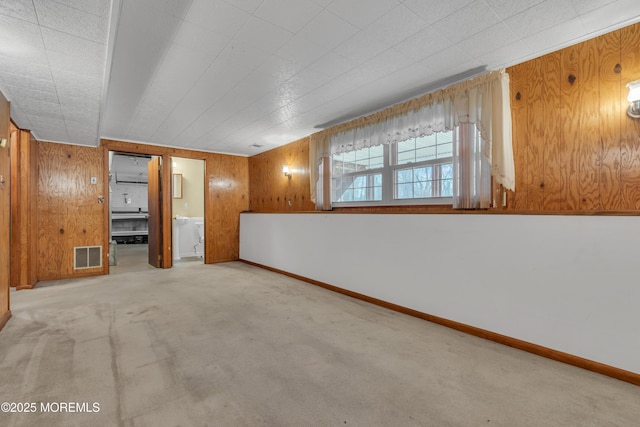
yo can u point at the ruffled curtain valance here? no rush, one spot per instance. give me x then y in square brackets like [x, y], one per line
[435, 117]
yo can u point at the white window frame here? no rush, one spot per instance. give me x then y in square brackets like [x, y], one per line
[389, 187]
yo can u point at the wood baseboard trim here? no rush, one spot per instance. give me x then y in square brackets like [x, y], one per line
[549, 353]
[4, 319]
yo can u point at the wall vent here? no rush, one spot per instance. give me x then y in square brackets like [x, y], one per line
[87, 257]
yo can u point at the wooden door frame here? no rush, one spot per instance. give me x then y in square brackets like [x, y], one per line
[167, 257]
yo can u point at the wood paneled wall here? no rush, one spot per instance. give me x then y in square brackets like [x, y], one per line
[69, 211]
[270, 190]
[24, 181]
[575, 147]
[5, 212]
[226, 195]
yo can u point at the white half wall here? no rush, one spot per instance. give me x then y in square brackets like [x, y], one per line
[569, 283]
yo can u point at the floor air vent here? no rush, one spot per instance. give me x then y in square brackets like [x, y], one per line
[87, 257]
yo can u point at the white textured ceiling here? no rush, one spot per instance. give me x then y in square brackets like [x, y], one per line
[227, 75]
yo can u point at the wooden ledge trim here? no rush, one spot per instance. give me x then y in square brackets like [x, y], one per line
[590, 365]
[4, 319]
[418, 210]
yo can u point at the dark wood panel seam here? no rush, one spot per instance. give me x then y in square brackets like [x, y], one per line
[536, 349]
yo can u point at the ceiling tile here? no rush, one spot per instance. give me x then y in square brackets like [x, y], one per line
[507, 8]
[362, 46]
[386, 63]
[262, 35]
[541, 17]
[333, 64]
[617, 13]
[30, 93]
[18, 35]
[506, 56]
[20, 9]
[173, 77]
[70, 20]
[554, 38]
[246, 5]
[301, 51]
[584, 6]
[53, 119]
[489, 40]
[468, 21]
[224, 17]
[29, 83]
[328, 30]
[35, 104]
[361, 13]
[190, 37]
[434, 10]
[397, 25]
[423, 44]
[448, 60]
[242, 55]
[298, 13]
[94, 7]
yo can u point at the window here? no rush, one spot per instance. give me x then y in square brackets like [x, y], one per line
[415, 171]
[357, 175]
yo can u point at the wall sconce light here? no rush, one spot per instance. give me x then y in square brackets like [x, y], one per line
[286, 171]
[634, 99]
[3, 142]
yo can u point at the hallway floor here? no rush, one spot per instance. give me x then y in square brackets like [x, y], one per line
[235, 345]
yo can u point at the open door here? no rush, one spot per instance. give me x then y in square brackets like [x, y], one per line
[155, 212]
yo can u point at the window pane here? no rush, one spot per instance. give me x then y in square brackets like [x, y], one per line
[446, 183]
[444, 137]
[428, 153]
[404, 175]
[376, 162]
[446, 170]
[423, 173]
[435, 146]
[358, 160]
[445, 150]
[446, 188]
[405, 191]
[406, 157]
[360, 182]
[422, 189]
[359, 188]
[377, 193]
[426, 141]
[418, 182]
[408, 145]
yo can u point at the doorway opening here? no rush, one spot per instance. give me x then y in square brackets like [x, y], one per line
[129, 213]
[187, 210]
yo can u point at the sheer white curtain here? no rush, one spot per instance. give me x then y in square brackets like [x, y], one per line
[482, 102]
[471, 169]
[318, 156]
[483, 148]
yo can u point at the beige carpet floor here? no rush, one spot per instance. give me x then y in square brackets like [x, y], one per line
[235, 345]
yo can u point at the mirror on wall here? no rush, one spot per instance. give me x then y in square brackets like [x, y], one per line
[177, 186]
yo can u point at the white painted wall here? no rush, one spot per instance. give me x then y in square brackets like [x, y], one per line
[568, 283]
